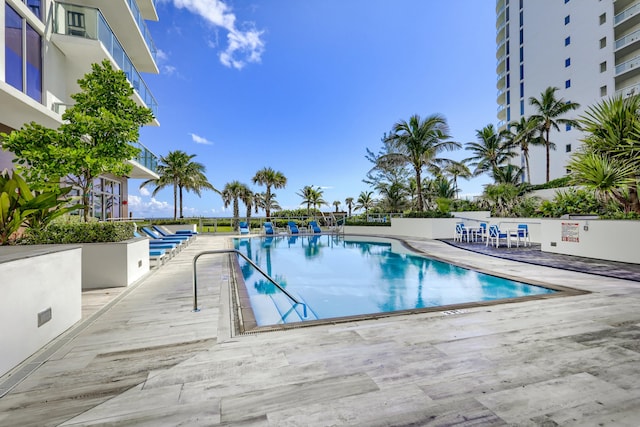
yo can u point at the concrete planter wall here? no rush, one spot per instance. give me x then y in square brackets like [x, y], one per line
[600, 239]
[118, 264]
[175, 227]
[41, 298]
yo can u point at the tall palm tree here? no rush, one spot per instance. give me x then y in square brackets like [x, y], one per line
[549, 109]
[349, 202]
[523, 134]
[307, 194]
[177, 169]
[365, 201]
[336, 204]
[270, 179]
[394, 196]
[507, 174]
[490, 151]
[418, 143]
[231, 193]
[456, 169]
[317, 200]
[248, 198]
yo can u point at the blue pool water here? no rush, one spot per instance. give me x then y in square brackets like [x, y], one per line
[336, 276]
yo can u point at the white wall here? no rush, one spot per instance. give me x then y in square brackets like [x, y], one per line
[600, 239]
[31, 282]
[106, 265]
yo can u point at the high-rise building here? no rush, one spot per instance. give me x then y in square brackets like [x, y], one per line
[47, 45]
[588, 49]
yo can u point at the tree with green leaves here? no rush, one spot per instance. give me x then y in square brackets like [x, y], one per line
[609, 160]
[178, 170]
[232, 193]
[417, 143]
[271, 179]
[524, 134]
[308, 194]
[336, 204]
[248, 198]
[454, 170]
[548, 116]
[349, 202]
[365, 201]
[490, 151]
[96, 136]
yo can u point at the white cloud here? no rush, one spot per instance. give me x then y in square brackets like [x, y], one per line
[144, 192]
[244, 45]
[152, 208]
[200, 140]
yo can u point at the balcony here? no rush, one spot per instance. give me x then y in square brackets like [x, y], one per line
[628, 69]
[626, 19]
[627, 44]
[148, 9]
[145, 165]
[629, 91]
[85, 38]
[127, 22]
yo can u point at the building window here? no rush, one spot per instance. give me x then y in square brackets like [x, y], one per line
[603, 18]
[603, 66]
[603, 43]
[521, 53]
[23, 55]
[522, 107]
[106, 199]
[521, 71]
[508, 64]
[566, 1]
[521, 2]
[567, 41]
[567, 62]
[508, 97]
[521, 89]
[521, 18]
[567, 127]
[567, 19]
[568, 148]
[603, 91]
[508, 114]
[567, 84]
[508, 80]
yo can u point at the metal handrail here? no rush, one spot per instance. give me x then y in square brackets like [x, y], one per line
[229, 251]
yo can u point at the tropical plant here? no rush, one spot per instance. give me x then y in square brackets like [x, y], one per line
[571, 201]
[177, 170]
[365, 201]
[609, 162]
[19, 206]
[271, 179]
[336, 204]
[95, 138]
[393, 196]
[507, 174]
[418, 143]
[490, 151]
[500, 198]
[349, 202]
[231, 193]
[548, 112]
[248, 198]
[524, 134]
[308, 194]
[454, 170]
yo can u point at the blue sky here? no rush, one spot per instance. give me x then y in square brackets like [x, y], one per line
[306, 86]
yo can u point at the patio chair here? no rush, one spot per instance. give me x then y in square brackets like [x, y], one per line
[482, 232]
[244, 227]
[495, 235]
[315, 227]
[523, 233]
[268, 228]
[293, 228]
[181, 240]
[162, 232]
[157, 257]
[461, 233]
[171, 246]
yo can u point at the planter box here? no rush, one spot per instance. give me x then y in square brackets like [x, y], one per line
[118, 264]
[175, 227]
[41, 298]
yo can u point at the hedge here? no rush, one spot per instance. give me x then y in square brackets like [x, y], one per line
[89, 232]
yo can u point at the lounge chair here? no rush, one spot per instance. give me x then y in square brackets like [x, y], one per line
[172, 247]
[315, 227]
[293, 228]
[268, 228]
[244, 227]
[157, 257]
[182, 240]
[163, 232]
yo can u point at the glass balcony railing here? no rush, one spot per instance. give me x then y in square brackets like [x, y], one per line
[629, 38]
[86, 22]
[146, 158]
[626, 13]
[628, 65]
[629, 91]
[142, 25]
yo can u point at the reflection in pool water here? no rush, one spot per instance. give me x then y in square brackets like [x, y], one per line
[338, 276]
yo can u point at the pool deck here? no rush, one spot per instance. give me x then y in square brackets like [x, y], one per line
[140, 356]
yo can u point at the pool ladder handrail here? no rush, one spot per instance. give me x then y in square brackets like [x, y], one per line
[230, 251]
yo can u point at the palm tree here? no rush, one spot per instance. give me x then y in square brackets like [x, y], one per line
[454, 170]
[490, 152]
[232, 192]
[525, 133]
[248, 198]
[269, 178]
[317, 200]
[178, 170]
[507, 174]
[349, 202]
[609, 162]
[418, 143]
[394, 196]
[337, 204]
[549, 109]
[307, 194]
[365, 201]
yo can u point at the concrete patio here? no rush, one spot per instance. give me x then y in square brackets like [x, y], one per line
[142, 357]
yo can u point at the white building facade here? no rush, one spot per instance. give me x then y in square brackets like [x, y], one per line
[47, 45]
[588, 49]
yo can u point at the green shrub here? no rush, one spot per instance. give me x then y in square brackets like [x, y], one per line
[188, 221]
[369, 224]
[90, 232]
[428, 214]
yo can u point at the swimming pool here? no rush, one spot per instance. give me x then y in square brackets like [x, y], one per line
[336, 276]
